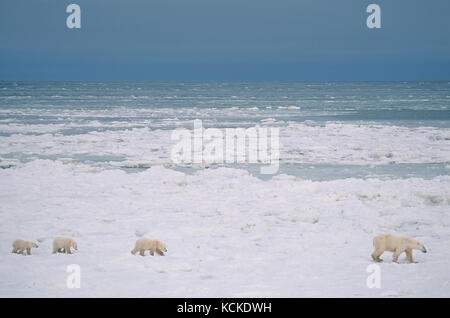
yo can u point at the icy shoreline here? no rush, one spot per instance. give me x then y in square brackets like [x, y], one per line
[300, 143]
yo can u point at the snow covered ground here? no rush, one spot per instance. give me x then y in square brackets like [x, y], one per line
[228, 233]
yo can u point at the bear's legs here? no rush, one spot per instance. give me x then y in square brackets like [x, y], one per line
[152, 253]
[142, 252]
[397, 254]
[376, 255]
[29, 251]
[68, 251]
[134, 251]
[14, 250]
[409, 255]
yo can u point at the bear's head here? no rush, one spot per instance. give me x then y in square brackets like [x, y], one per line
[162, 247]
[416, 245]
[34, 245]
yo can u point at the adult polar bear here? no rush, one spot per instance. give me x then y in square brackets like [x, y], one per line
[397, 245]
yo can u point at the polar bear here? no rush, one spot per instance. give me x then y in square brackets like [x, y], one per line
[20, 245]
[397, 245]
[153, 246]
[63, 244]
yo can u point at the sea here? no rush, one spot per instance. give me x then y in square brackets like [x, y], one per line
[329, 130]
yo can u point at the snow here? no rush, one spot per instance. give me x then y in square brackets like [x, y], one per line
[331, 143]
[228, 233]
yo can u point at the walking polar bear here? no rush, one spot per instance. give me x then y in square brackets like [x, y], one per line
[152, 246]
[63, 244]
[20, 245]
[397, 245]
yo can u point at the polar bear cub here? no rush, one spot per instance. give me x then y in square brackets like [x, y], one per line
[397, 245]
[20, 245]
[153, 246]
[63, 244]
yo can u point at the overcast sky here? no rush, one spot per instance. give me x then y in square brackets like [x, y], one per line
[305, 40]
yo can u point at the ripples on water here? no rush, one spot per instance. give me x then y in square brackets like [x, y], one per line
[328, 130]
